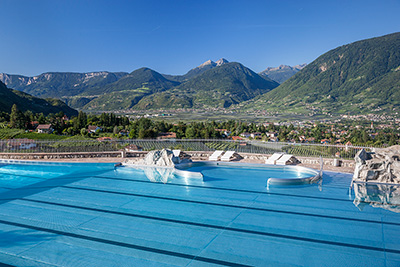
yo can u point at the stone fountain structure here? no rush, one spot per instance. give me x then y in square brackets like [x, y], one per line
[379, 166]
[161, 158]
[161, 161]
[376, 179]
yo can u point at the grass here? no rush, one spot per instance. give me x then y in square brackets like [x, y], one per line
[41, 136]
[6, 133]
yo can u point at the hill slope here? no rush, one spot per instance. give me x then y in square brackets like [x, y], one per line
[359, 77]
[222, 86]
[126, 92]
[25, 102]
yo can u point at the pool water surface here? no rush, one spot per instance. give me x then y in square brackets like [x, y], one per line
[98, 215]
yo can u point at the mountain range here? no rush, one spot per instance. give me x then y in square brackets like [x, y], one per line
[212, 84]
[360, 77]
[219, 86]
[59, 84]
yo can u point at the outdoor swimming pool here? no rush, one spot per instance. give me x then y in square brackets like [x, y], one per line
[94, 215]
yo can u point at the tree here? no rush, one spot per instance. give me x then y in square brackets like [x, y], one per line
[141, 134]
[81, 121]
[17, 118]
[115, 130]
[190, 132]
[29, 115]
[60, 114]
[14, 116]
[392, 140]
[364, 136]
[132, 131]
[42, 118]
[84, 132]
[4, 116]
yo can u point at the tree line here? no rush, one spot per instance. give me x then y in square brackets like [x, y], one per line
[142, 128]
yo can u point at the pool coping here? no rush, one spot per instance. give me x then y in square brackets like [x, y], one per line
[179, 169]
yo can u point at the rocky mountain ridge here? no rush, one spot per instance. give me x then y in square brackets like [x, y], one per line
[59, 84]
[282, 73]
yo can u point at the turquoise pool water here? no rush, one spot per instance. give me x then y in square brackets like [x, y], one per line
[95, 215]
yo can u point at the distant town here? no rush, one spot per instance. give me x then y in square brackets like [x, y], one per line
[368, 130]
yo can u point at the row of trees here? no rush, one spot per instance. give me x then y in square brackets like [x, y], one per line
[146, 128]
[23, 120]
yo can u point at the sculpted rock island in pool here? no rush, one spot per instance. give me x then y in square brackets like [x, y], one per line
[381, 166]
[162, 158]
[377, 178]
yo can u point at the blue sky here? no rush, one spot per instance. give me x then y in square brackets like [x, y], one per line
[173, 36]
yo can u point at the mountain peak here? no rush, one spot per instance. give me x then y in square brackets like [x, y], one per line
[208, 62]
[221, 61]
[282, 73]
[285, 67]
[301, 66]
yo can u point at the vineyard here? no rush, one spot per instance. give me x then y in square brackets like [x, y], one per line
[82, 144]
[6, 133]
[222, 146]
[148, 145]
[324, 151]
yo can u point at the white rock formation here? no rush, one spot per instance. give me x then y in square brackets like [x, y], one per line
[381, 165]
[377, 179]
[161, 163]
[164, 158]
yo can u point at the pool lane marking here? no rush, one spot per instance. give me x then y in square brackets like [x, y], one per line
[221, 232]
[178, 254]
[205, 187]
[126, 245]
[222, 189]
[217, 204]
[215, 226]
[239, 190]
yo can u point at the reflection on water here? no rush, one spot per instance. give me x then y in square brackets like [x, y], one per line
[155, 174]
[378, 196]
